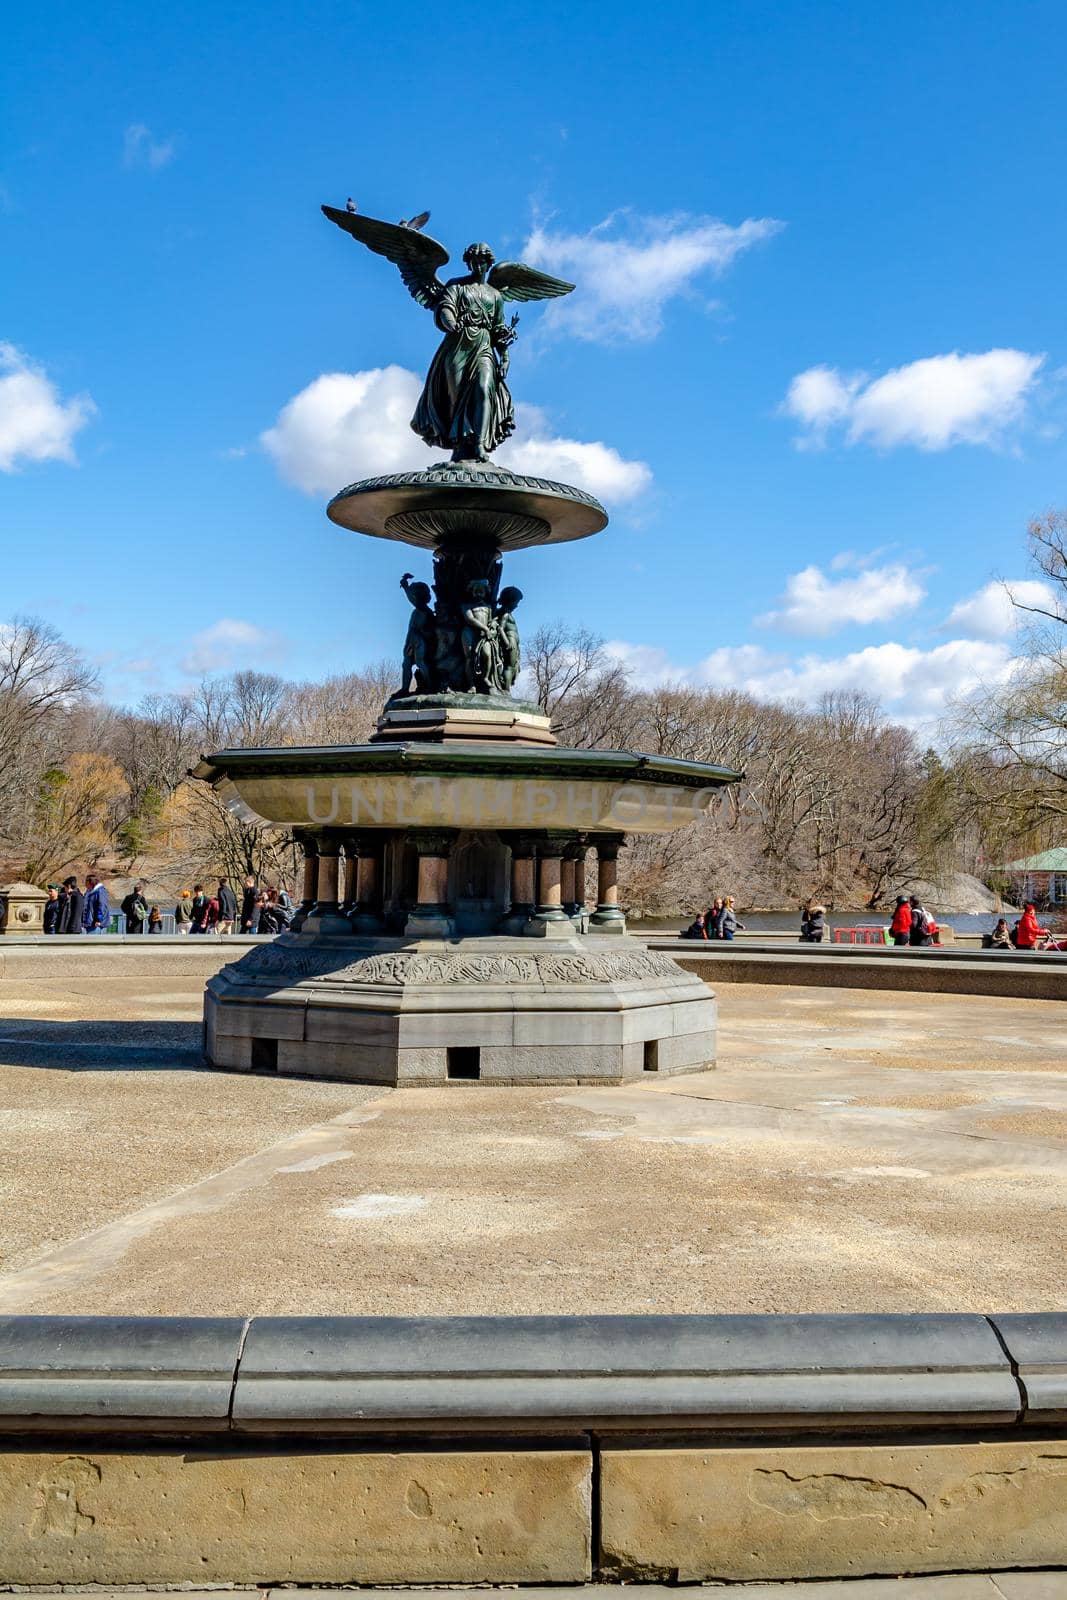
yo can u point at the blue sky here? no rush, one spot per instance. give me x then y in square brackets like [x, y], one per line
[818, 332]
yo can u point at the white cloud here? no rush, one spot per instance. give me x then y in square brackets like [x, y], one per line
[35, 424]
[915, 686]
[596, 467]
[933, 403]
[628, 267]
[230, 643]
[350, 425]
[140, 149]
[989, 612]
[816, 605]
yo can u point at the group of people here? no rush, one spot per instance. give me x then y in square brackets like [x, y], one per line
[719, 921]
[912, 923]
[267, 910]
[70, 909]
[1024, 934]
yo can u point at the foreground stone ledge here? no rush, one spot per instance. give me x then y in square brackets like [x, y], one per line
[106, 1517]
[808, 1512]
[681, 1372]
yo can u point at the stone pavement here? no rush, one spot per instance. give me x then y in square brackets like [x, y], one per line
[946, 1586]
[854, 1151]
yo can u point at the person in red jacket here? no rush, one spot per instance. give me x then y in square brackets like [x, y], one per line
[900, 927]
[1027, 932]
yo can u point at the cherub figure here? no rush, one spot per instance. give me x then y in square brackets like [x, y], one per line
[478, 638]
[507, 637]
[419, 641]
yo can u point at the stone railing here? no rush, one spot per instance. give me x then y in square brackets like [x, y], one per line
[528, 1450]
[1014, 974]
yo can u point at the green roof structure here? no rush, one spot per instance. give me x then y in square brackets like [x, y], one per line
[1047, 861]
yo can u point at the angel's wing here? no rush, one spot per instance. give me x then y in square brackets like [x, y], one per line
[518, 282]
[416, 254]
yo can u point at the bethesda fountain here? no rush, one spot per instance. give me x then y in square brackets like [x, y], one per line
[445, 930]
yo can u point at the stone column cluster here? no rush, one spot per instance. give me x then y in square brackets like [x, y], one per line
[343, 883]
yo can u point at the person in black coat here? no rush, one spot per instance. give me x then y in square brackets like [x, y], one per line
[70, 920]
[52, 910]
[135, 909]
[813, 925]
[227, 907]
[248, 905]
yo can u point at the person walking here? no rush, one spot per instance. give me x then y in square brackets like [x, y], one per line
[70, 920]
[183, 912]
[52, 909]
[728, 923]
[155, 920]
[900, 927]
[199, 908]
[248, 904]
[135, 909]
[227, 907]
[96, 912]
[713, 919]
[919, 933]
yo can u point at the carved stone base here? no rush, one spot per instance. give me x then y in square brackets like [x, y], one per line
[430, 1011]
[436, 719]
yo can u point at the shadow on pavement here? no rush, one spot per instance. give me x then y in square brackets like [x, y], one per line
[100, 1046]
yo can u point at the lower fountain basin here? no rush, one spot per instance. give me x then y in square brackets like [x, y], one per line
[457, 785]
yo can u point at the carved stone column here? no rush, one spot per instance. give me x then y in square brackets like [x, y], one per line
[549, 917]
[310, 846]
[573, 868]
[579, 877]
[607, 918]
[430, 918]
[523, 847]
[325, 915]
[366, 907]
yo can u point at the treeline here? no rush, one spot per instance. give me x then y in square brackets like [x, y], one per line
[837, 801]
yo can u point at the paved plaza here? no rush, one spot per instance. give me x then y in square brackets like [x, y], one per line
[854, 1152]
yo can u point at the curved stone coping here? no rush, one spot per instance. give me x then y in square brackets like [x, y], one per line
[949, 971]
[472, 758]
[790, 945]
[551, 1376]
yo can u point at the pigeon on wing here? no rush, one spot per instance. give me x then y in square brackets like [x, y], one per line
[350, 206]
[416, 222]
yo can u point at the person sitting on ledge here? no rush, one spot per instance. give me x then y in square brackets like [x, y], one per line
[697, 929]
[813, 925]
[1000, 938]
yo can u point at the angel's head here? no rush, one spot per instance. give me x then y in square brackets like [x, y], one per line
[479, 258]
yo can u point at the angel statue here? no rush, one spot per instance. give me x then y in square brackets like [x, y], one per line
[465, 405]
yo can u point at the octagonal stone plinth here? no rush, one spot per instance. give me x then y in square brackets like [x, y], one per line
[496, 1010]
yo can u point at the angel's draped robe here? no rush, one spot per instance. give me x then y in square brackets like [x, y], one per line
[465, 404]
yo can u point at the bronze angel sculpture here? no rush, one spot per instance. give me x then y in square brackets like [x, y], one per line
[465, 405]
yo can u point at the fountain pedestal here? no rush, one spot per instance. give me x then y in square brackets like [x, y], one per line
[462, 829]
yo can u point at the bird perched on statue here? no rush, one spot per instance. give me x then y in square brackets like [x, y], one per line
[350, 206]
[416, 222]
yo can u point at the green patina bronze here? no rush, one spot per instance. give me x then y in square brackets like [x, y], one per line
[465, 405]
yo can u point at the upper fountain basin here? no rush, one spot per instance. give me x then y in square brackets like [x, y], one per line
[460, 502]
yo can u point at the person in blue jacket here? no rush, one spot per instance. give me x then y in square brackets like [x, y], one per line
[96, 912]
